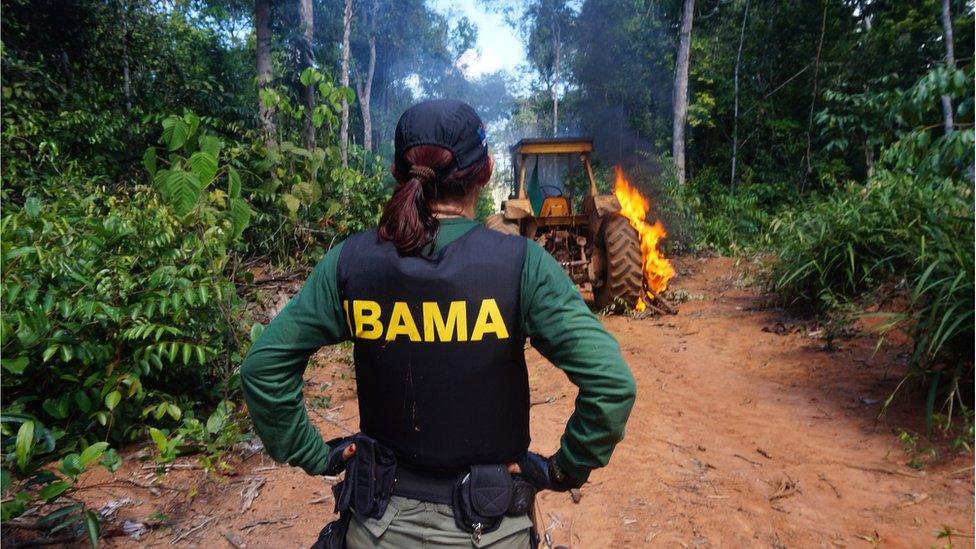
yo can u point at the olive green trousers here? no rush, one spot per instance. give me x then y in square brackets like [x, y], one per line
[410, 523]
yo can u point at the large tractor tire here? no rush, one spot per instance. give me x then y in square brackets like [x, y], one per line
[497, 222]
[623, 273]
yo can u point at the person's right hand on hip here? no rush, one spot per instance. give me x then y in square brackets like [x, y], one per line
[544, 473]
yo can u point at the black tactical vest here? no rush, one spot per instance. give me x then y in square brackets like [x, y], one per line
[440, 367]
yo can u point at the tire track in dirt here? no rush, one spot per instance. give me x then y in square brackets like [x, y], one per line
[739, 437]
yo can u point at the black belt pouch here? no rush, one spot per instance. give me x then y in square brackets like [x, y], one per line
[482, 497]
[367, 489]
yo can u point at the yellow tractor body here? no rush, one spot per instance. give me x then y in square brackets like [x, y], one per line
[595, 246]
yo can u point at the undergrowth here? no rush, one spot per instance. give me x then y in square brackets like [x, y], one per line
[907, 232]
[122, 315]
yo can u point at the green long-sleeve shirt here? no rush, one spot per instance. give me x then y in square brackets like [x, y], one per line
[553, 315]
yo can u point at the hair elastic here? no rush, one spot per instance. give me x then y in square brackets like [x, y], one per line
[423, 172]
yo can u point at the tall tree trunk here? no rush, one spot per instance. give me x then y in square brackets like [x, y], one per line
[307, 62]
[681, 89]
[868, 159]
[735, 95]
[344, 81]
[126, 82]
[364, 91]
[262, 31]
[555, 85]
[950, 61]
[816, 85]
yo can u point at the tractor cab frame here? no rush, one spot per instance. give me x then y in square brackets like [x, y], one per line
[595, 246]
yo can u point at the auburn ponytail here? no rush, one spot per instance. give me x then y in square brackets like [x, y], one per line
[407, 219]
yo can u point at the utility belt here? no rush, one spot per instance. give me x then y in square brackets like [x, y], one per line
[414, 484]
[479, 498]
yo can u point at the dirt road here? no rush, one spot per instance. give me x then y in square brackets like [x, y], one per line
[740, 437]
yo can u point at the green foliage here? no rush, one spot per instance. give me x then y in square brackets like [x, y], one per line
[192, 169]
[43, 482]
[138, 267]
[121, 319]
[485, 206]
[852, 242]
[714, 218]
[908, 230]
[119, 310]
[106, 297]
[64, 91]
[305, 198]
[922, 451]
[621, 56]
[209, 439]
[125, 227]
[703, 215]
[326, 112]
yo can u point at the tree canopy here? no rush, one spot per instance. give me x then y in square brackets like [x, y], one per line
[164, 163]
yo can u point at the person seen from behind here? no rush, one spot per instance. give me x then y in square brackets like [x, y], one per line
[438, 308]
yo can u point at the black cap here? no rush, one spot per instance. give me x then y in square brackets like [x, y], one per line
[443, 122]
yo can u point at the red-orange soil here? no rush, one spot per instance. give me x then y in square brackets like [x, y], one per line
[740, 438]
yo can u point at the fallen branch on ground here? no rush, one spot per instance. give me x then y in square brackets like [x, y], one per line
[881, 471]
[914, 498]
[743, 458]
[130, 482]
[957, 471]
[661, 302]
[549, 400]
[650, 310]
[234, 540]
[264, 522]
[823, 478]
[291, 277]
[251, 492]
[168, 466]
[193, 530]
[673, 444]
[787, 488]
[322, 499]
[345, 429]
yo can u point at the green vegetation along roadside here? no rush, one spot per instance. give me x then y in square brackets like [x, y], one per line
[147, 176]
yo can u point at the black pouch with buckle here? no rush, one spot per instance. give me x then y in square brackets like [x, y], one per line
[333, 536]
[370, 474]
[366, 490]
[482, 498]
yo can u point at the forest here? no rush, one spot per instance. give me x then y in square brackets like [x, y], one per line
[164, 162]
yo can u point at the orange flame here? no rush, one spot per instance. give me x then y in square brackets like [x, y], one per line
[657, 269]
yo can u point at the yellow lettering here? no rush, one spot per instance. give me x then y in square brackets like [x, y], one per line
[438, 329]
[401, 323]
[345, 307]
[489, 322]
[367, 313]
[365, 321]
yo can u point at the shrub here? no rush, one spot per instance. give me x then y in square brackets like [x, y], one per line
[305, 199]
[909, 228]
[109, 304]
[119, 308]
[895, 231]
[121, 316]
[707, 215]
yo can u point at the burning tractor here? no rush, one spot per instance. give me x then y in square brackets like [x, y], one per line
[607, 244]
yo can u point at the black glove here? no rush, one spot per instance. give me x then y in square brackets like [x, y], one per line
[334, 464]
[523, 496]
[545, 474]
